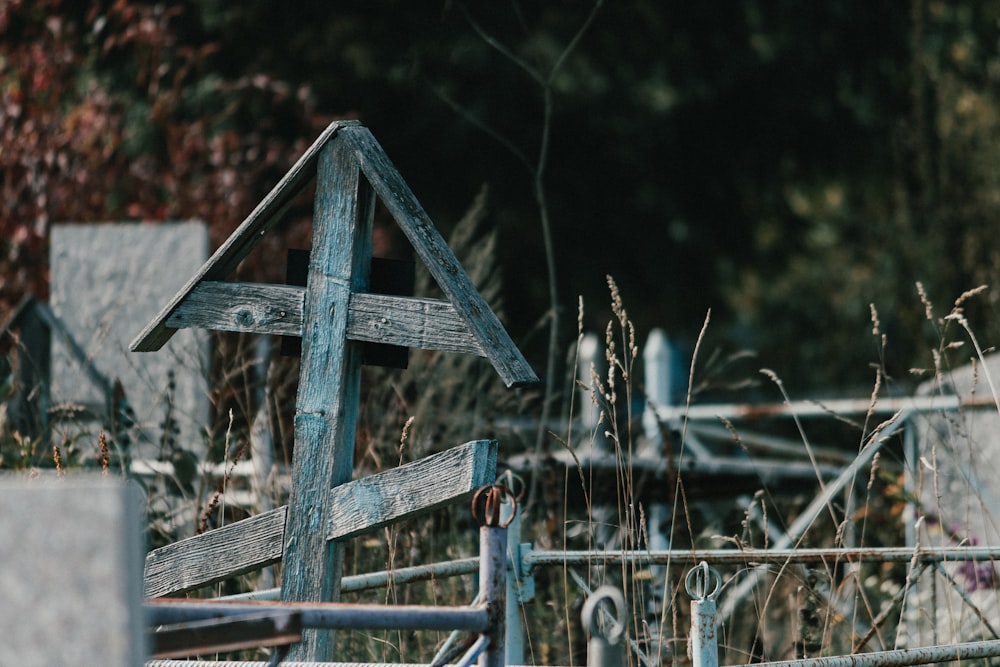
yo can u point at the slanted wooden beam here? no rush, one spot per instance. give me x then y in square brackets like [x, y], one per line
[411, 490]
[225, 260]
[217, 555]
[432, 249]
[355, 508]
[430, 324]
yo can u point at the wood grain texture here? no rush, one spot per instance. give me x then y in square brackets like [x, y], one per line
[238, 245]
[400, 201]
[243, 307]
[412, 489]
[493, 339]
[354, 508]
[217, 555]
[326, 409]
[430, 324]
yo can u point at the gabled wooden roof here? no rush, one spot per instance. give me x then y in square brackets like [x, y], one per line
[473, 314]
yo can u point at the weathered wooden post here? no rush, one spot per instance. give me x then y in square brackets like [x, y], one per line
[334, 313]
[326, 408]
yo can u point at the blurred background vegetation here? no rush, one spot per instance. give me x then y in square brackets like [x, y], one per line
[783, 164]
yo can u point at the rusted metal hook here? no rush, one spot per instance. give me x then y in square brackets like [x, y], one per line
[486, 505]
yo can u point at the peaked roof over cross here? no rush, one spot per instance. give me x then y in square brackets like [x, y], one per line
[463, 323]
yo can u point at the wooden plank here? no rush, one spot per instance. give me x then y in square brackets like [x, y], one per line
[430, 324]
[326, 410]
[397, 197]
[411, 490]
[219, 554]
[365, 504]
[238, 245]
[243, 307]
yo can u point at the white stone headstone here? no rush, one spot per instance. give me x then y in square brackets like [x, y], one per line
[108, 281]
[71, 573]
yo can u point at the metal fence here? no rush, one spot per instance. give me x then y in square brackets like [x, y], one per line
[834, 472]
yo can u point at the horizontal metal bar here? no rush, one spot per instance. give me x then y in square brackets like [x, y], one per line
[533, 558]
[895, 658]
[364, 582]
[769, 444]
[822, 408]
[537, 558]
[237, 663]
[899, 657]
[327, 615]
[405, 575]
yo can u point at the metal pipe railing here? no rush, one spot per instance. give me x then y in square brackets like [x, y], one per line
[821, 408]
[703, 584]
[923, 655]
[363, 582]
[328, 615]
[536, 558]
[486, 619]
[259, 663]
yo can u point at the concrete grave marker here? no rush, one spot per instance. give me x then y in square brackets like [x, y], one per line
[956, 466]
[70, 573]
[107, 281]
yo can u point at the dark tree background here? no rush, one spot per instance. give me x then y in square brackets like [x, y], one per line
[783, 164]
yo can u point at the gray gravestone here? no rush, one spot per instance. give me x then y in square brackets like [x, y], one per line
[959, 491]
[71, 573]
[107, 281]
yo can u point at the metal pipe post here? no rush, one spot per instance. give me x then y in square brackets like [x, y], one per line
[486, 509]
[605, 647]
[703, 584]
[493, 591]
[514, 640]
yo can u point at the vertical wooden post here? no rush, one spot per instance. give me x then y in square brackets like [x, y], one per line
[34, 372]
[329, 378]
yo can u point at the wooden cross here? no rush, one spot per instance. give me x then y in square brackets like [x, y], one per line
[333, 314]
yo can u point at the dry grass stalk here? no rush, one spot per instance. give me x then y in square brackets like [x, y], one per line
[57, 459]
[220, 488]
[103, 455]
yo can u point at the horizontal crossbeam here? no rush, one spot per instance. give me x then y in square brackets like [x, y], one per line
[331, 615]
[429, 324]
[356, 508]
